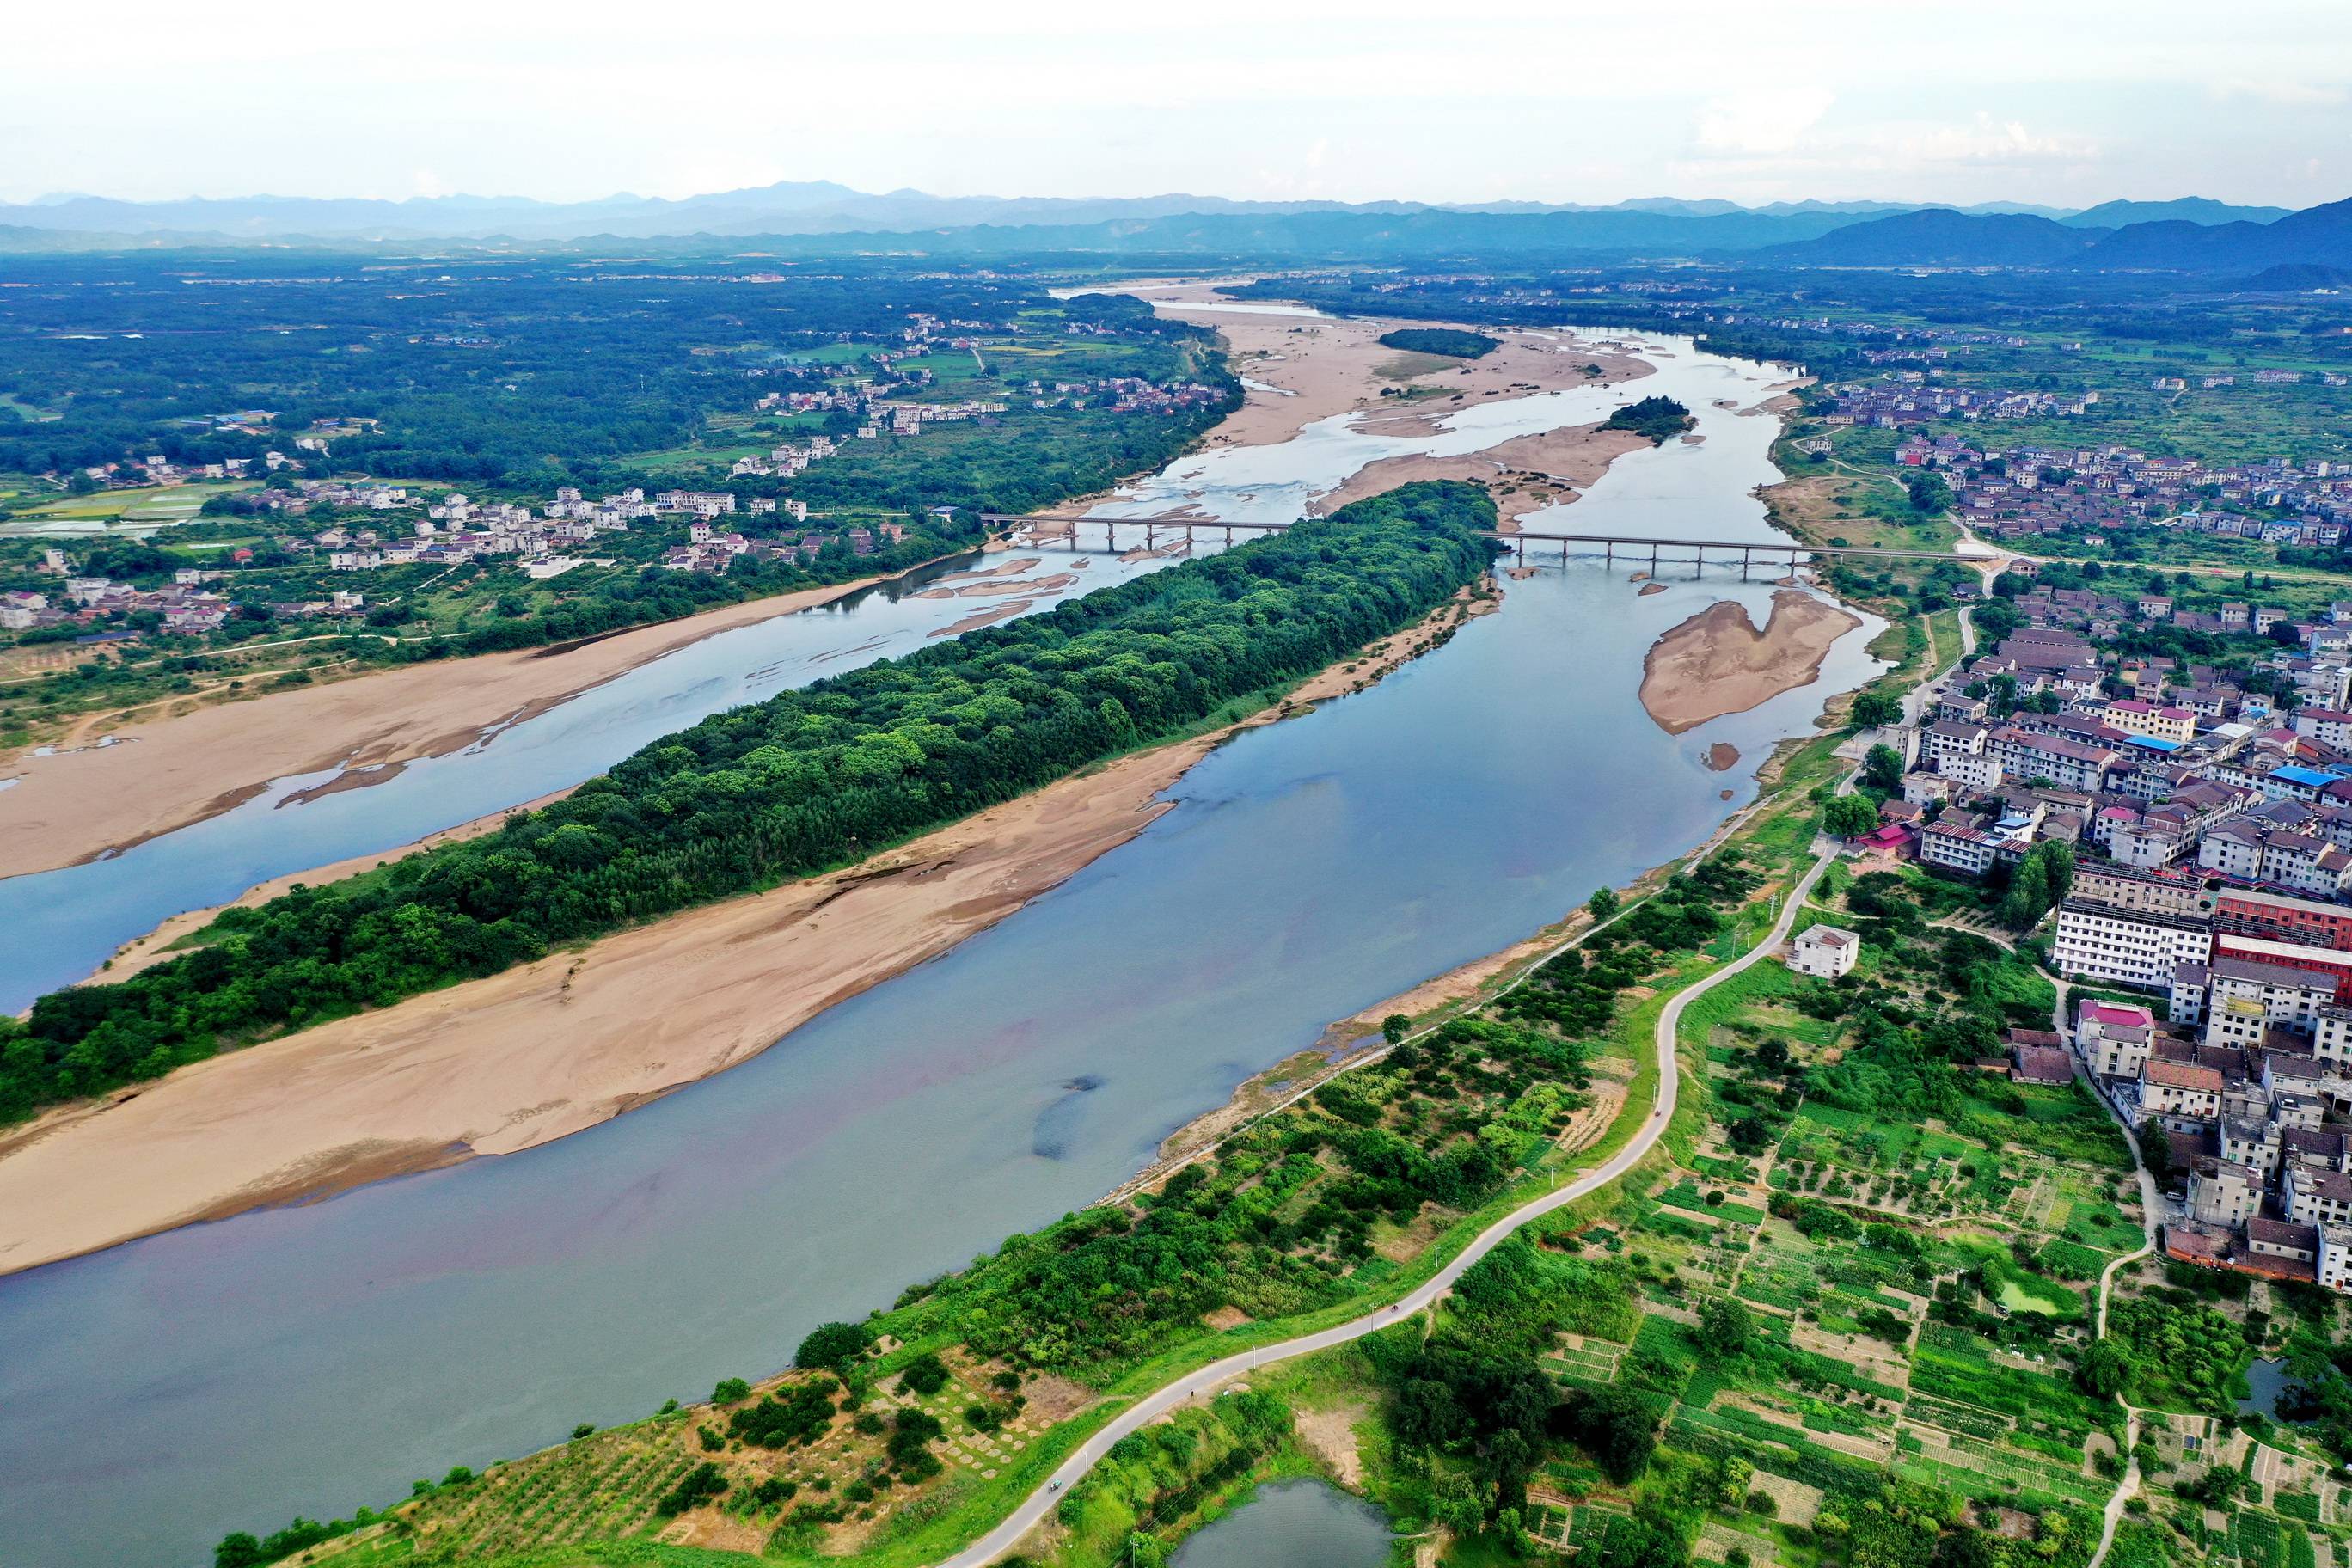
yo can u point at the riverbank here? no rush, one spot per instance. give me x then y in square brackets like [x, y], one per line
[160, 775]
[529, 1055]
[1720, 662]
[1526, 474]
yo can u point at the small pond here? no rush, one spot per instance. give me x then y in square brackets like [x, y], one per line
[1292, 1524]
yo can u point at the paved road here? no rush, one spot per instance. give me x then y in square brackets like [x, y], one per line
[1035, 1508]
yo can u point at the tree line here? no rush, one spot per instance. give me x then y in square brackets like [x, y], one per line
[809, 779]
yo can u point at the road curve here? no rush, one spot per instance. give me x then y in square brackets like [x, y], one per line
[1034, 1507]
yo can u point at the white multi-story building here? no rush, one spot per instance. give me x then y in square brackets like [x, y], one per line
[2316, 1197]
[2246, 997]
[2335, 1256]
[2126, 947]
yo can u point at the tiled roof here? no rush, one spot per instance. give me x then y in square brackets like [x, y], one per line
[2181, 1075]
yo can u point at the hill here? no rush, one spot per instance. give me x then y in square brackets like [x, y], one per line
[1936, 237]
[2320, 235]
[2186, 209]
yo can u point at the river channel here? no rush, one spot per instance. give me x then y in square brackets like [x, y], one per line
[310, 1359]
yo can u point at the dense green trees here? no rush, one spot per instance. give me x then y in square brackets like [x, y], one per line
[809, 779]
[2042, 880]
[1849, 816]
[1441, 340]
[1656, 418]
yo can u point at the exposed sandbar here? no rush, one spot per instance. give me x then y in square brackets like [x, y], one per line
[1718, 662]
[521, 1059]
[163, 774]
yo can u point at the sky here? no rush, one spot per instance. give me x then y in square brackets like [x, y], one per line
[2064, 103]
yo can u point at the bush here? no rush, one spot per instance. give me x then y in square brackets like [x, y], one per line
[926, 1376]
[697, 1486]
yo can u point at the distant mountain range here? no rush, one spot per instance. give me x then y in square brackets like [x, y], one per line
[2317, 236]
[820, 217]
[821, 207]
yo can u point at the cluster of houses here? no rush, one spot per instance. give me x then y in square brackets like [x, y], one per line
[188, 603]
[2028, 491]
[1890, 406]
[155, 469]
[454, 530]
[2212, 823]
[2246, 1083]
[1122, 395]
[787, 460]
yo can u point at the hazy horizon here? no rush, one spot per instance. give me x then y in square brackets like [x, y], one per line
[1826, 99]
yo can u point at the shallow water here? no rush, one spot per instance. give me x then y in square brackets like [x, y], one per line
[312, 1359]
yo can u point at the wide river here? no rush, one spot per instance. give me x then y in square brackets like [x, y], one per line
[310, 1359]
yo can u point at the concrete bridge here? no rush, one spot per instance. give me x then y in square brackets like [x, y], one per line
[1748, 553]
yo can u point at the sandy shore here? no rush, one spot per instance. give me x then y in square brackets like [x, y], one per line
[521, 1059]
[165, 772]
[1718, 662]
[1322, 365]
[1525, 474]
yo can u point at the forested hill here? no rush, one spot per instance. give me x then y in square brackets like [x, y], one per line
[806, 780]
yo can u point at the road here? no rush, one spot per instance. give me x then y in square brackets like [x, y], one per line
[1196, 1384]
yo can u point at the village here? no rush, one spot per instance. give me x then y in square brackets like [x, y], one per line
[2206, 926]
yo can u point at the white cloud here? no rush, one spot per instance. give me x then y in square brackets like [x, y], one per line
[1747, 124]
[2005, 143]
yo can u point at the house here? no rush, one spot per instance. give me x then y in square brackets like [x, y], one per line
[1824, 952]
[2115, 1038]
[2245, 997]
[2180, 1094]
[2048, 1065]
[2224, 1193]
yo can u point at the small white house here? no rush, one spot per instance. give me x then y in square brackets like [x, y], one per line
[1824, 952]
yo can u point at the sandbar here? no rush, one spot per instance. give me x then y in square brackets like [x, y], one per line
[1718, 662]
[1315, 366]
[167, 772]
[521, 1059]
[1526, 474]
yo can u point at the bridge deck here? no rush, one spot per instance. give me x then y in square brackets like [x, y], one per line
[1745, 546]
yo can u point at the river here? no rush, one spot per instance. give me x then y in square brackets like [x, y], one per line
[66, 922]
[312, 1359]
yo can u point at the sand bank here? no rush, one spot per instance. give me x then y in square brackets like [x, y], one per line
[1526, 473]
[1718, 662]
[1315, 366]
[521, 1059]
[167, 772]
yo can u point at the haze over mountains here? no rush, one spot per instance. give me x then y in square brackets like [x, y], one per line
[816, 217]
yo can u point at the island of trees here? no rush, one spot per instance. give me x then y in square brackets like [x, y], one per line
[808, 779]
[1656, 418]
[1447, 341]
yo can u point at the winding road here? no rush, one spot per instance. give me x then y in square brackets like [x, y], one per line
[1038, 1503]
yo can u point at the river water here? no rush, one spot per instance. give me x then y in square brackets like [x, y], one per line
[65, 922]
[312, 1359]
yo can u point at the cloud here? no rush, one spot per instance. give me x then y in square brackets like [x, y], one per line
[1746, 125]
[2005, 143]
